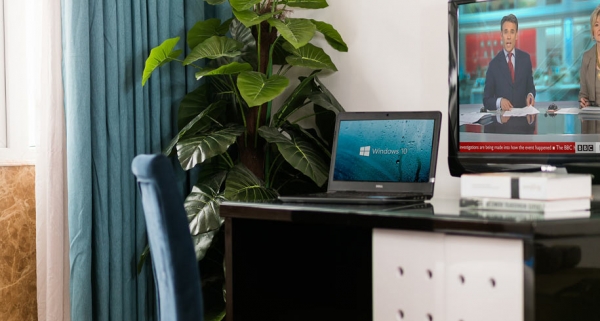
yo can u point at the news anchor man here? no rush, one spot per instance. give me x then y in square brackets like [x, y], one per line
[509, 77]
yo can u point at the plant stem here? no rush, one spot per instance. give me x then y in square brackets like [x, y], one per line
[181, 61]
[269, 73]
[258, 29]
[271, 169]
[227, 158]
[280, 68]
[238, 98]
[287, 68]
[256, 126]
[303, 117]
[287, 181]
[271, 49]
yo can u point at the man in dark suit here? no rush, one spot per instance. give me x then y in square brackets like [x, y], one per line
[509, 78]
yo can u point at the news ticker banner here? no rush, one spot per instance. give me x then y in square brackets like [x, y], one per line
[530, 147]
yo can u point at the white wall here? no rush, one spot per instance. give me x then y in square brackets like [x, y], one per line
[397, 60]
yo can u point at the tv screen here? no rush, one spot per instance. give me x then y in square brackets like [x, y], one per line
[514, 79]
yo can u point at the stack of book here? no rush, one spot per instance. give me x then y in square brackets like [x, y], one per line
[538, 192]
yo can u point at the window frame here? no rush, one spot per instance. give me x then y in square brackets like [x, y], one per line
[15, 94]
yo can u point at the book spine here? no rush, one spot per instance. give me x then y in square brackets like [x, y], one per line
[525, 187]
[480, 186]
[504, 204]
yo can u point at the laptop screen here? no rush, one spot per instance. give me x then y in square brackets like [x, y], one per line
[397, 150]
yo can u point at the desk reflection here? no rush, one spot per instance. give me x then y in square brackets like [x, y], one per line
[590, 124]
[512, 124]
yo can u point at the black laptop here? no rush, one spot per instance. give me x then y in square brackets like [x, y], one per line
[381, 157]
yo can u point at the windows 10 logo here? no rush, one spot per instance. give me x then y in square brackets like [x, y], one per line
[365, 151]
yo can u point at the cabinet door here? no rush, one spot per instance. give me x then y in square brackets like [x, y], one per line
[408, 275]
[484, 278]
[432, 276]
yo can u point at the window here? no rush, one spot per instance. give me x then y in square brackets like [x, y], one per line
[16, 107]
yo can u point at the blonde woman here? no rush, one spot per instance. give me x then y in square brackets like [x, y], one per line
[589, 74]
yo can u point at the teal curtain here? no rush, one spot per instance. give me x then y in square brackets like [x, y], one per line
[111, 118]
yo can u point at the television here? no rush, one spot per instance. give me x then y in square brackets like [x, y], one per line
[549, 134]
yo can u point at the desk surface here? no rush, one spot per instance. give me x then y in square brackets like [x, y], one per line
[437, 215]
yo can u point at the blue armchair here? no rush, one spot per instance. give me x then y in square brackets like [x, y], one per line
[174, 262]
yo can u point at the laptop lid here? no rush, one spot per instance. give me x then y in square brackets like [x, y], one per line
[385, 152]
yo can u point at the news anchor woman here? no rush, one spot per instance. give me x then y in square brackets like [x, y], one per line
[589, 73]
[509, 78]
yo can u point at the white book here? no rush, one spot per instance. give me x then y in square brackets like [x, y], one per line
[523, 216]
[523, 205]
[535, 186]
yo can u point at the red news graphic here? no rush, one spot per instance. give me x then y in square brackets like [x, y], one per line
[518, 147]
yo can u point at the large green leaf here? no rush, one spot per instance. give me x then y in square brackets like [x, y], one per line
[257, 89]
[297, 32]
[287, 180]
[314, 137]
[279, 54]
[324, 101]
[202, 243]
[300, 153]
[323, 120]
[229, 69]
[195, 150]
[192, 124]
[241, 5]
[205, 29]
[295, 100]
[192, 104]
[308, 4]
[336, 104]
[243, 185]
[202, 208]
[250, 18]
[244, 35]
[332, 36]
[309, 56]
[202, 204]
[215, 2]
[213, 48]
[159, 56]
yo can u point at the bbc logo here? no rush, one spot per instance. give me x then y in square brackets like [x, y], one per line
[586, 147]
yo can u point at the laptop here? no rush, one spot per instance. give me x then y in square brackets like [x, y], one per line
[380, 157]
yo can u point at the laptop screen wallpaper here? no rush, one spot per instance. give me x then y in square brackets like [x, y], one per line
[384, 150]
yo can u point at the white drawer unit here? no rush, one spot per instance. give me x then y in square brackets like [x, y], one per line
[426, 276]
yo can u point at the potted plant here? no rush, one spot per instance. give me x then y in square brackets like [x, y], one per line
[248, 147]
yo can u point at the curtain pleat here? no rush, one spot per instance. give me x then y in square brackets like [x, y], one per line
[110, 118]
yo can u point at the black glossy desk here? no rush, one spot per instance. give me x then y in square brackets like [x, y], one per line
[311, 262]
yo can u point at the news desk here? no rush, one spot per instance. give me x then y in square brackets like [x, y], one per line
[544, 127]
[429, 262]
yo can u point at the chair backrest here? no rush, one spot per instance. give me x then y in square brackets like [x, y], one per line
[171, 248]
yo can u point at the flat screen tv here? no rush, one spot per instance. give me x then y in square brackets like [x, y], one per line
[551, 37]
